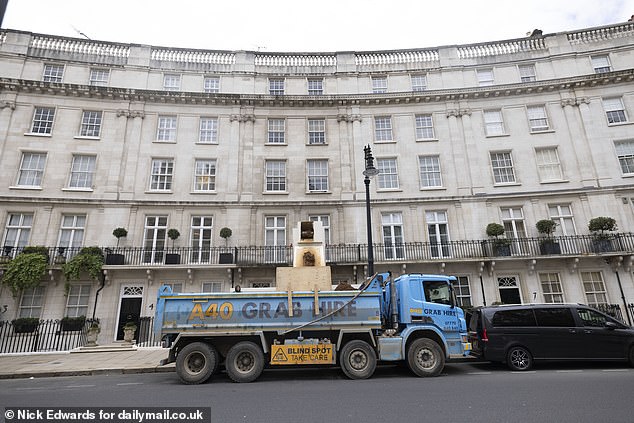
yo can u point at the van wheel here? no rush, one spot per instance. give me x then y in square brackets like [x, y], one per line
[357, 360]
[519, 359]
[196, 362]
[245, 362]
[425, 358]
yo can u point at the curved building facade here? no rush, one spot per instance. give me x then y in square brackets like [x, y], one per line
[98, 135]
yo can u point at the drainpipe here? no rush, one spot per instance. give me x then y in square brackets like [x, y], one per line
[627, 310]
[103, 283]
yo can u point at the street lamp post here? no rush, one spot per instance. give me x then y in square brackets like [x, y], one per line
[369, 171]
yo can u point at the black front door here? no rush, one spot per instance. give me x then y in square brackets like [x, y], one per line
[130, 311]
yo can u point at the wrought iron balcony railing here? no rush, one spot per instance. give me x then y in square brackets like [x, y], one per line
[349, 254]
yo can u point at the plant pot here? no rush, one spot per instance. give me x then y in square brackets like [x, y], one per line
[171, 258]
[602, 245]
[72, 325]
[91, 337]
[128, 334]
[225, 258]
[25, 325]
[549, 247]
[501, 250]
[115, 259]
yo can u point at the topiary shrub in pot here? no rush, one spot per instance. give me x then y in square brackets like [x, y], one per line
[602, 236]
[117, 258]
[548, 245]
[173, 258]
[501, 246]
[225, 258]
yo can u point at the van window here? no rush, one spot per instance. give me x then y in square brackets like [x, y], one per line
[591, 317]
[555, 317]
[514, 318]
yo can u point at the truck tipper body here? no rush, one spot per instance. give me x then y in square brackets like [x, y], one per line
[412, 318]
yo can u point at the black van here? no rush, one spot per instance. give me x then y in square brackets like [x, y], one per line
[519, 334]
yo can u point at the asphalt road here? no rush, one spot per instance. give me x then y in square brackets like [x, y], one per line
[463, 393]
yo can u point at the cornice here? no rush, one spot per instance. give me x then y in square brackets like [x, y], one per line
[295, 101]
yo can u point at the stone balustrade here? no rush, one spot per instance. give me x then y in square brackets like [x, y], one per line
[600, 34]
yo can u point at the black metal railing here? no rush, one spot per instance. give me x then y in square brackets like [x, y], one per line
[145, 333]
[22, 335]
[619, 243]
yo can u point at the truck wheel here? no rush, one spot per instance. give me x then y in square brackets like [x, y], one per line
[196, 362]
[519, 359]
[245, 362]
[357, 360]
[425, 357]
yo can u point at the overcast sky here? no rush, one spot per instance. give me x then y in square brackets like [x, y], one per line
[306, 26]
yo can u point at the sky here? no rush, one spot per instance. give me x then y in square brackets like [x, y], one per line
[309, 26]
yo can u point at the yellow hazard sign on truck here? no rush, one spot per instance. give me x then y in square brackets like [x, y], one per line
[302, 354]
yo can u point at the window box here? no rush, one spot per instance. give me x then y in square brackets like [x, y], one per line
[73, 324]
[115, 259]
[549, 246]
[225, 258]
[25, 324]
[172, 258]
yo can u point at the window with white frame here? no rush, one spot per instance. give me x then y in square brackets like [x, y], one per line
[31, 169]
[424, 127]
[154, 238]
[166, 130]
[419, 82]
[71, 232]
[502, 165]
[77, 300]
[315, 86]
[383, 128]
[31, 302]
[90, 124]
[276, 86]
[513, 221]
[212, 287]
[211, 84]
[99, 77]
[548, 165]
[43, 118]
[275, 175]
[537, 118]
[162, 174]
[614, 110]
[208, 130]
[82, 171]
[438, 232]
[527, 73]
[316, 131]
[276, 130]
[594, 288]
[171, 82]
[463, 291]
[551, 288]
[485, 77]
[18, 231]
[493, 123]
[53, 73]
[393, 241]
[205, 175]
[379, 84]
[275, 239]
[201, 238]
[177, 287]
[317, 171]
[388, 173]
[601, 64]
[625, 154]
[429, 168]
[562, 215]
[325, 223]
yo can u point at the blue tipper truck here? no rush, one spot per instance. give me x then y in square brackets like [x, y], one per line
[412, 318]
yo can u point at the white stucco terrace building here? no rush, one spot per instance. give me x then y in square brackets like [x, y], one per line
[98, 135]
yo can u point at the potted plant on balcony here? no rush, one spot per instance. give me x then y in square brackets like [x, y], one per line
[25, 271]
[173, 258]
[88, 261]
[501, 246]
[128, 332]
[117, 258]
[72, 324]
[601, 228]
[25, 324]
[548, 245]
[225, 258]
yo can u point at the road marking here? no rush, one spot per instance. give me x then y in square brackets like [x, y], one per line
[80, 386]
[129, 383]
[29, 389]
[615, 370]
[479, 373]
[569, 371]
[524, 372]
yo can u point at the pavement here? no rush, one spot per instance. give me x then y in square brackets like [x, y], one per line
[85, 361]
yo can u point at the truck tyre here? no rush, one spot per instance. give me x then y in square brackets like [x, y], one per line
[196, 362]
[245, 362]
[519, 359]
[357, 360]
[425, 357]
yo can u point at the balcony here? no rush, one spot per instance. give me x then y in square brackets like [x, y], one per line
[356, 254]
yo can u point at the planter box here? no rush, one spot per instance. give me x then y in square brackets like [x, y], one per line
[72, 325]
[602, 246]
[115, 259]
[225, 258]
[25, 326]
[501, 250]
[172, 258]
[549, 247]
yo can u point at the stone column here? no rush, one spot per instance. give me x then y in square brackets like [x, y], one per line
[242, 127]
[583, 155]
[8, 106]
[129, 174]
